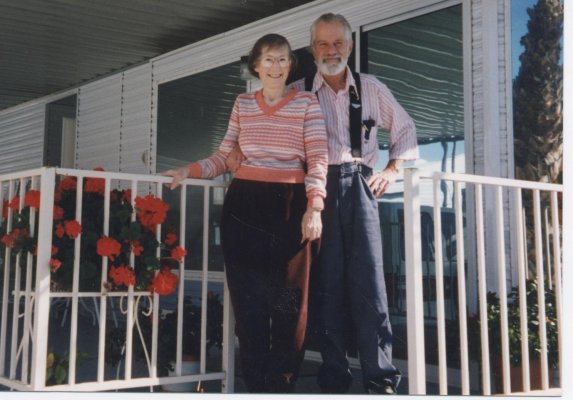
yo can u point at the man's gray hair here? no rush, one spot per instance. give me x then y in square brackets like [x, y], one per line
[330, 18]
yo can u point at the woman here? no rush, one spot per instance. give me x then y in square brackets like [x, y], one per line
[270, 215]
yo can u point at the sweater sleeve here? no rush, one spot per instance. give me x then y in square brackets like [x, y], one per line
[316, 152]
[215, 165]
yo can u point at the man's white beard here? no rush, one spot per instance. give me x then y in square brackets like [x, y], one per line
[332, 69]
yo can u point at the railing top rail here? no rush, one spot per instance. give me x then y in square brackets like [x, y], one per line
[136, 177]
[489, 180]
[21, 174]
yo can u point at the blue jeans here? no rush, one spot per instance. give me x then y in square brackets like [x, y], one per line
[352, 291]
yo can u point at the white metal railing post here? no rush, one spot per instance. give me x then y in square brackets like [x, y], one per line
[557, 271]
[42, 292]
[440, 307]
[482, 290]
[540, 289]
[414, 288]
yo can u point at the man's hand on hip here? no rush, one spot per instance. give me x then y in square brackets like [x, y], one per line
[381, 180]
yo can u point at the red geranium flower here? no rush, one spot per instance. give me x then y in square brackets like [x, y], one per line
[60, 230]
[170, 239]
[136, 247]
[108, 247]
[14, 204]
[122, 275]
[58, 212]
[55, 264]
[73, 228]
[68, 184]
[95, 185]
[151, 211]
[9, 240]
[32, 199]
[164, 283]
[178, 253]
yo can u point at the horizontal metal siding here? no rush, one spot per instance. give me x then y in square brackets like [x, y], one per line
[294, 25]
[135, 134]
[98, 124]
[22, 138]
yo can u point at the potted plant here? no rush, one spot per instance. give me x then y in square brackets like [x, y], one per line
[515, 334]
[191, 337]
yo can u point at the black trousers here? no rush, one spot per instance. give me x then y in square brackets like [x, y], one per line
[267, 271]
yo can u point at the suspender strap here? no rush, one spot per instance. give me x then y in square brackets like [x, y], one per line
[354, 113]
[355, 116]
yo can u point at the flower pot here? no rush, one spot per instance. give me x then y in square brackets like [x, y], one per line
[189, 366]
[516, 376]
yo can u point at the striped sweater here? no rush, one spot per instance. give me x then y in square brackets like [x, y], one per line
[277, 141]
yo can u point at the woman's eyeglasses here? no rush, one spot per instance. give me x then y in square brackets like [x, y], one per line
[269, 62]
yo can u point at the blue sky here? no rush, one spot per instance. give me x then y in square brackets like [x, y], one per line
[519, 18]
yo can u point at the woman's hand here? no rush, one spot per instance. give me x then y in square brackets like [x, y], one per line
[179, 175]
[234, 159]
[311, 224]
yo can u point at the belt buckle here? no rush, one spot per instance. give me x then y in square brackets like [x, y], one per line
[357, 162]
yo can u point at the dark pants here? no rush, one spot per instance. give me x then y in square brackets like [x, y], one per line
[267, 271]
[352, 292]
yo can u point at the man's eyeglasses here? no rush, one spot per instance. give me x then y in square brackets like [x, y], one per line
[269, 62]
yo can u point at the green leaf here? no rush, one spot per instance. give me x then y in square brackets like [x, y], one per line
[151, 262]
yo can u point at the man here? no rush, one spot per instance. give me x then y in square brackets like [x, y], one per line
[350, 270]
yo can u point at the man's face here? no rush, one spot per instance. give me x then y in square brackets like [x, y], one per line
[331, 48]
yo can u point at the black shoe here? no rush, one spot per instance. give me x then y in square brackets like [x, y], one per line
[385, 387]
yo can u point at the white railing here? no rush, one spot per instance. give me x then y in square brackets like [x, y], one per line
[30, 296]
[491, 245]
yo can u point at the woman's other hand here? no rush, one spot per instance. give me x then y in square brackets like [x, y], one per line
[234, 159]
[311, 224]
[179, 175]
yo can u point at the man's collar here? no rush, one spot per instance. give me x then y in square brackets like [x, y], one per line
[319, 80]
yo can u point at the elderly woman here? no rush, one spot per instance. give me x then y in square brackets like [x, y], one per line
[270, 215]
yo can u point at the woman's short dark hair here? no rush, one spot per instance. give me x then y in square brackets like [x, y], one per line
[271, 41]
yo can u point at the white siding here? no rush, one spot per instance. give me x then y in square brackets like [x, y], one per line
[22, 137]
[135, 133]
[98, 124]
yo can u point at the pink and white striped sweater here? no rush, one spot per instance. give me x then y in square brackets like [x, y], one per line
[277, 141]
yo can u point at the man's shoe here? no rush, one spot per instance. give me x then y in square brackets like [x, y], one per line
[385, 387]
[334, 384]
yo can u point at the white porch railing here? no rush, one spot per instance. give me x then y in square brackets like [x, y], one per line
[28, 294]
[497, 238]
[29, 298]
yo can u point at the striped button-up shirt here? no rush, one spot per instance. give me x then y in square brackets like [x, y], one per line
[378, 104]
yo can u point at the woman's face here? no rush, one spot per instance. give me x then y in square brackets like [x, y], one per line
[273, 67]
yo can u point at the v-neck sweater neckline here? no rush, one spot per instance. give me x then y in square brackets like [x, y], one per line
[270, 110]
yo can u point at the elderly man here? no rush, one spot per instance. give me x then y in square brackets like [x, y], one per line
[351, 288]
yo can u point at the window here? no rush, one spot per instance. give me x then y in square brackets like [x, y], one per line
[193, 115]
